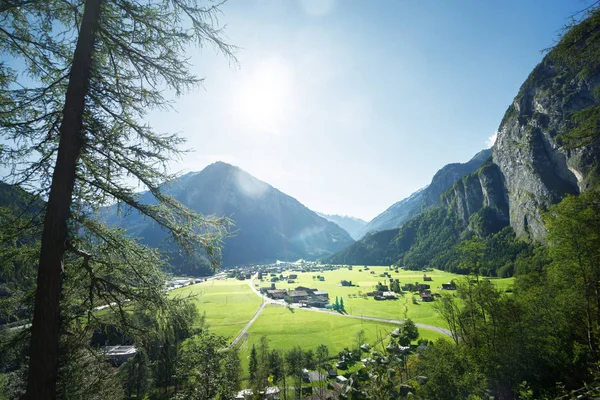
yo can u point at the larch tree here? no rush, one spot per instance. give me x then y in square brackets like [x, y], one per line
[77, 78]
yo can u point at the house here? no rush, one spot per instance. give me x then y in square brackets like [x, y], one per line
[244, 394]
[309, 291]
[426, 297]
[119, 354]
[331, 373]
[293, 276]
[294, 296]
[389, 295]
[424, 286]
[277, 294]
[449, 286]
[341, 379]
[321, 278]
[315, 301]
[320, 293]
[346, 283]
[427, 278]
[271, 393]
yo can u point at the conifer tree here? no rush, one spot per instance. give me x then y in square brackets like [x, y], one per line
[73, 128]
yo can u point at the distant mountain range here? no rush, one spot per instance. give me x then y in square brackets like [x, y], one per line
[424, 198]
[269, 225]
[351, 225]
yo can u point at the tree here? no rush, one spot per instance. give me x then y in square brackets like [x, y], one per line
[321, 358]
[409, 332]
[136, 375]
[75, 134]
[263, 371]
[574, 239]
[342, 304]
[294, 361]
[206, 372]
[253, 365]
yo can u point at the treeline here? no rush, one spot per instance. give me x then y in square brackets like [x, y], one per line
[177, 357]
[433, 240]
[541, 341]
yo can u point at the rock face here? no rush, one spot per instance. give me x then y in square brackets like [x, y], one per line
[538, 168]
[482, 189]
[425, 198]
[548, 147]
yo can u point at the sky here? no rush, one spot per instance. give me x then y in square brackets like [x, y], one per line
[352, 105]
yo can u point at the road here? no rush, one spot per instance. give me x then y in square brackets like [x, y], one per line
[282, 303]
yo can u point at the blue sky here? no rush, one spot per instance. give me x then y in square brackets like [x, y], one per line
[352, 105]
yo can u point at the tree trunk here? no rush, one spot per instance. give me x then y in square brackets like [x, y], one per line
[45, 329]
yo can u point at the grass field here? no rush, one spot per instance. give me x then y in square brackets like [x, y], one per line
[229, 304]
[288, 328]
[356, 304]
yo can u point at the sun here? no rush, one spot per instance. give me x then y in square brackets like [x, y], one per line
[265, 95]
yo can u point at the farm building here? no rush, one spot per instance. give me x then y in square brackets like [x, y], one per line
[277, 294]
[426, 297]
[119, 354]
[295, 296]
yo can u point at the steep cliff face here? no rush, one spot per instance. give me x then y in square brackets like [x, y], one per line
[482, 189]
[426, 198]
[539, 165]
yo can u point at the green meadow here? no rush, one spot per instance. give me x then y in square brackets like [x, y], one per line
[286, 328]
[228, 304]
[356, 303]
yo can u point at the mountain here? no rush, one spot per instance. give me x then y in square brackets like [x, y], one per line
[269, 225]
[351, 225]
[548, 147]
[425, 198]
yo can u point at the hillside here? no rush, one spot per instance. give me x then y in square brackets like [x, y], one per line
[351, 225]
[269, 225]
[547, 148]
[425, 198]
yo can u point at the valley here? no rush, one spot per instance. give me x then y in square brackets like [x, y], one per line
[342, 232]
[230, 303]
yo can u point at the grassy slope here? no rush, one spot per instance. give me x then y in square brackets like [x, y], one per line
[228, 304]
[286, 329]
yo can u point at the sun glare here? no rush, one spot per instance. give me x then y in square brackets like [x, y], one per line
[265, 97]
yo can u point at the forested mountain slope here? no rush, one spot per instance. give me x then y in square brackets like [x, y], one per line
[269, 225]
[425, 198]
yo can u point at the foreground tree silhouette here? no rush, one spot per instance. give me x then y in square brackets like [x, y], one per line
[72, 123]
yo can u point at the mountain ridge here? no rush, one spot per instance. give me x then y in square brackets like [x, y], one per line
[350, 224]
[423, 199]
[269, 224]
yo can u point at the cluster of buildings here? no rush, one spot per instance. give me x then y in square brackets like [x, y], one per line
[307, 297]
[177, 282]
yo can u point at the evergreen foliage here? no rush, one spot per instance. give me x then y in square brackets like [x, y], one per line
[72, 123]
